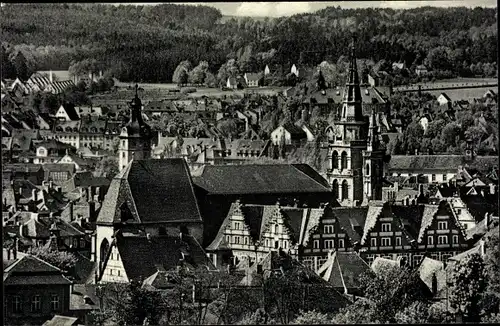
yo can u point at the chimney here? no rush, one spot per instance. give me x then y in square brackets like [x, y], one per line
[396, 186]
[487, 220]
[20, 190]
[20, 229]
[50, 76]
[51, 184]
[492, 188]
[482, 192]
[434, 284]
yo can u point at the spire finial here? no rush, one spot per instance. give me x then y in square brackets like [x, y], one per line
[136, 90]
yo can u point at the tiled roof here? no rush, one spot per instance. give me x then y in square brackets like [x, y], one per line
[32, 270]
[60, 86]
[351, 218]
[142, 257]
[71, 112]
[478, 249]
[157, 190]
[381, 265]
[343, 269]
[295, 131]
[427, 219]
[428, 267]
[59, 320]
[251, 76]
[372, 216]
[275, 178]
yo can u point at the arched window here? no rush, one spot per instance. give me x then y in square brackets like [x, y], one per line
[345, 190]
[335, 189]
[367, 169]
[343, 161]
[335, 160]
[104, 249]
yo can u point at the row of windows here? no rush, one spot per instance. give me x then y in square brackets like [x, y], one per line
[442, 239]
[114, 256]
[329, 244]
[386, 242]
[36, 303]
[114, 272]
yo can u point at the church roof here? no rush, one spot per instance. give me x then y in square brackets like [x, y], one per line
[154, 191]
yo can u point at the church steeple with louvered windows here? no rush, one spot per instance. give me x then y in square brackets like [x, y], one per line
[352, 100]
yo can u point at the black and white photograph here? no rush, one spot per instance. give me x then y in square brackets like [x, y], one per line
[250, 163]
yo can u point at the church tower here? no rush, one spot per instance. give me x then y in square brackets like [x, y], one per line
[135, 138]
[373, 158]
[347, 139]
[356, 157]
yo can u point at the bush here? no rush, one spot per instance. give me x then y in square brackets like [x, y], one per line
[187, 90]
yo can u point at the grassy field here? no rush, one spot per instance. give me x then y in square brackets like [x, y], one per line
[463, 94]
[455, 82]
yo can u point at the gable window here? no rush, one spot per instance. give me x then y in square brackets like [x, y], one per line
[433, 176]
[117, 256]
[459, 211]
[276, 244]
[36, 303]
[443, 225]
[267, 242]
[329, 244]
[237, 240]
[328, 229]
[75, 243]
[16, 304]
[236, 225]
[445, 177]
[455, 239]
[246, 240]
[316, 244]
[443, 239]
[54, 302]
[373, 242]
[386, 227]
[227, 238]
[285, 244]
[341, 243]
[110, 271]
[386, 242]
[398, 241]
[275, 228]
[118, 272]
[111, 257]
[430, 240]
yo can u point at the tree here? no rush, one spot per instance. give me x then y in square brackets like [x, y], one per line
[415, 313]
[228, 69]
[138, 305]
[360, 312]
[81, 86]
[199, 73]
[21, 66]
[181, 73]
[107, 167]
[61, 259]
[311, 318]
[7, 69]
[469, 280]
[412, 137]
[210, 80]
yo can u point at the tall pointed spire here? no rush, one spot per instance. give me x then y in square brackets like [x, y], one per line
[352, 101]
[373, 136]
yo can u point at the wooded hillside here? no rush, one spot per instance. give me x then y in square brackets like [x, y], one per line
[146, 43]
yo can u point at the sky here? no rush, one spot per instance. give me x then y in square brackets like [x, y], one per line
[278, 9]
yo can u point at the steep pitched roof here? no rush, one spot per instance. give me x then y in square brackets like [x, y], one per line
[342, 270]
[428, 215]
[429, 267]
[155, 190]
[271, 178]
[372, 216]
[351, 219]
[30, 270]
[142, 257]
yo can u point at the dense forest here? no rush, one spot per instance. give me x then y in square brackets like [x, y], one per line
[147, 43]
